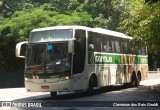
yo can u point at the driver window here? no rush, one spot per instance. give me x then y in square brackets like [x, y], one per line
[79, 51]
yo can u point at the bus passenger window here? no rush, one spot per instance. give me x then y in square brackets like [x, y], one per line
[92, 40]
[123, 47]
[91, 47]
[112, 45]
[99, 44]
[105, 45]
[117, 46]
[80, 51]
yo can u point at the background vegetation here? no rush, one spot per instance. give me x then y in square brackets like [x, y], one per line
[137, 18]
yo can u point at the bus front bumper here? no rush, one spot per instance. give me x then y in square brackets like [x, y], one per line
[65, 85]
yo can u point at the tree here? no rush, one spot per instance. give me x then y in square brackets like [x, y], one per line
[106, 13]
[143, 23]
[151, 1]
[18, 27]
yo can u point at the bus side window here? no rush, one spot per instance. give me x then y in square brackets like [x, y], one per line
[123, 46]
[99, 43]
[92, 41]
[130, 47]
[106, 45]
[117, 46]
[112, 46]
[80, 51]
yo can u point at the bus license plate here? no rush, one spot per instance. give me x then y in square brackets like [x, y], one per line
[45, 87]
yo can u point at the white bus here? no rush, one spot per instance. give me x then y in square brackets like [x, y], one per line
[74, 58]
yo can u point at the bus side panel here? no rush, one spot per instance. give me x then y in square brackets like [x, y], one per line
[144, 72]
[142, 66]
[104, 75]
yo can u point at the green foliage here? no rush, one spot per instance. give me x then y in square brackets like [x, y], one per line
[17, 28]
[107, 13]
[144, 23]
[19, 17]
[151, 1]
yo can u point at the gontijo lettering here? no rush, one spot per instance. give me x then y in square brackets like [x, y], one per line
[103, 59]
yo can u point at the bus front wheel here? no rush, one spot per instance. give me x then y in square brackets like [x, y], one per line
[91, 85]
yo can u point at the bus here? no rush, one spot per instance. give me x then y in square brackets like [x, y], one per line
[77, 58]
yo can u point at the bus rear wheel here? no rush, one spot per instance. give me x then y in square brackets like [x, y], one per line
[138, 79]
[133, 80]
[53, 94]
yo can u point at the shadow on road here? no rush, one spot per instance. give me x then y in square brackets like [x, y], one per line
[77, 99]
[73, 95]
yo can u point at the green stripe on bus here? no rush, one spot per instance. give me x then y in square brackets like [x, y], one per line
[99, 58]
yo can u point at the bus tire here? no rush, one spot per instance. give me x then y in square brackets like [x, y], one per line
[133, 80]
[53, 94]
[138, 79]
[90, 89]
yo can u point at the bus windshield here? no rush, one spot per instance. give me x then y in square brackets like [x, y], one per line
[48, 58]
[36, 54]
[58, 59]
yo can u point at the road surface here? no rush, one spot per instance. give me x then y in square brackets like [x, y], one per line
[116, 97]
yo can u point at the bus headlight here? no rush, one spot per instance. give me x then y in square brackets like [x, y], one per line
[64, 78]
[27, 79]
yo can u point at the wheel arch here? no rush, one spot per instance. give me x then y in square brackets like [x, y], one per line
[95, 79]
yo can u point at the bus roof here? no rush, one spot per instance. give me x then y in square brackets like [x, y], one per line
[111, 33]
[60, 27]
[97, 30]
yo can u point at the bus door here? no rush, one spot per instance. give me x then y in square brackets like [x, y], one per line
[79, 60]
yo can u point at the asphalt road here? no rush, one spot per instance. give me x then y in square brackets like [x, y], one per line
[114, 97]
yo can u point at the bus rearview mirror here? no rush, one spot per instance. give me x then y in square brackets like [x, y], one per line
[21, 49]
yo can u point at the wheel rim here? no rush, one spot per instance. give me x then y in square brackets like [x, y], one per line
[133, 81]
[138, 80]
